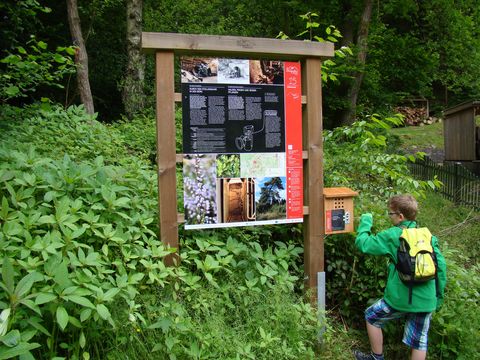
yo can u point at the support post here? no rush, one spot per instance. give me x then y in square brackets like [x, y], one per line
[166, 153]
[321, 284]
[314, 230]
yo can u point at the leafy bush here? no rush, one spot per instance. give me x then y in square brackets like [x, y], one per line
[225, 322]
[357, 156]
[456, 327]
[30, 67]
[81, 235]
[55, 131]
[139, 135]
[74, 240]
[247, 310]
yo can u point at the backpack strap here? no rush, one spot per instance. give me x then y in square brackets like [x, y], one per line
[410, 286]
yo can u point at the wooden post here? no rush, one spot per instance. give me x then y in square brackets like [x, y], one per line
[314, 230]
[166, 153]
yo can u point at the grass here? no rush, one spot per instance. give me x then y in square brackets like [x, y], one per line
[418, 138]
[457, 227]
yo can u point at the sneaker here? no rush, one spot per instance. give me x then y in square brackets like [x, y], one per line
[361, 356]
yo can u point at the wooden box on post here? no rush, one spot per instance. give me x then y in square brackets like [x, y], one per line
[338, 202]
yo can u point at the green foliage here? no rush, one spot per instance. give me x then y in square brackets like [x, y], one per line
[55, 131]
[427, 42]
[235, 300]
[452, 335]
[356, 156]
[410, 77]
[19, 18]
[225, 323]
[34, 66]
[257, 268]
[330, 69]
[81, 237]
[139, 136]
[452, 33]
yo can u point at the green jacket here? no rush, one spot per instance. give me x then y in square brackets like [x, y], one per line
[396, 293]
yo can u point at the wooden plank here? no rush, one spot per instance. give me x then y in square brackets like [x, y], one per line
[245, 47]
[166, 157]
[314, 231]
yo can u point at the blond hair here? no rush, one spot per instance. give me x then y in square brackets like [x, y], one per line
[404, 204]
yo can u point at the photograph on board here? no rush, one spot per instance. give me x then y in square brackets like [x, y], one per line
[233, 71]
[266, 72]
[199, 70]
[228, 165]
[236, 200]
[270, 198]
[199, 182]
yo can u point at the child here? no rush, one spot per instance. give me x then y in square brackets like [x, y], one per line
[395, 302]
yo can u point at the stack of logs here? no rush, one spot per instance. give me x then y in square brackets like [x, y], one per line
[416, 116]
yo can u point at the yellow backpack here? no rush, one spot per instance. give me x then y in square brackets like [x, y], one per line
[416, 260]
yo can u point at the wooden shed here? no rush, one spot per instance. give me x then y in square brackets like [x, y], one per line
[461, 134]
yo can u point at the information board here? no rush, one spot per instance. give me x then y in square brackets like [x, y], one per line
[242, 142]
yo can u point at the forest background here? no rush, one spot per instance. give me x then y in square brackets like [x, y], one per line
[82, 275]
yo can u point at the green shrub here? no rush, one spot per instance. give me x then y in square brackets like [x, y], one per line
[226, 322]
[55, 131]
[31, 66]
[76, 239]
[139, 135]
[81, 239]
[357, 156]
[457, 227]
[455, 329]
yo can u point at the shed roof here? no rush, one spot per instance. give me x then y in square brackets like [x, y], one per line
[460, 107]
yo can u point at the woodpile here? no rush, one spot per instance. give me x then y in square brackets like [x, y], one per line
[416, 116]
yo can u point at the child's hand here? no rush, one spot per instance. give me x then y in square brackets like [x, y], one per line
[367, 220]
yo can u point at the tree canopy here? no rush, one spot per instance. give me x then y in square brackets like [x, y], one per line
[427, 49]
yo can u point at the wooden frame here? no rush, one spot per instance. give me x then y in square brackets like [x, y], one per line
[165, 46]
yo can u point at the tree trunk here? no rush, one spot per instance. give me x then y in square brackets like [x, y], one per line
[81, 57]
[348, 117]
[133, 97]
